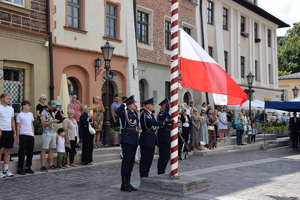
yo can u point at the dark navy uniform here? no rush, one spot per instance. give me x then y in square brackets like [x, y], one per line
[148, 139]
[129, 141]
[164, 139]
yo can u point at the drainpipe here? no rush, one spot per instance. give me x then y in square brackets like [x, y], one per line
[202, 36]
[134, 12]
[51, 87]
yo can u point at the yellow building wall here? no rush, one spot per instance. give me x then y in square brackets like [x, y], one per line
[288, 85]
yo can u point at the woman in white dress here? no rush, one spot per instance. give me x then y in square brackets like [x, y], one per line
[222, 123]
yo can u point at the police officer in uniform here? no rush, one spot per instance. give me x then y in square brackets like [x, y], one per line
[164, 137]
[129, 141]
[148, 138]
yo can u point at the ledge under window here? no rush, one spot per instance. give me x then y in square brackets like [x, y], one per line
[112, 39]
[26, 9]
[75, 30]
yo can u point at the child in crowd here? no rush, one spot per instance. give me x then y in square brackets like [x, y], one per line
[254, 132]
[25, 137]
[60, 148]
[249, 132]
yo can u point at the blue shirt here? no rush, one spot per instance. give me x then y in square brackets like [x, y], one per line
[114, 106]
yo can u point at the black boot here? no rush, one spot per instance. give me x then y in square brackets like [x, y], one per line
[143, 175]
[128, 183]
[159, 172]
[124, 186]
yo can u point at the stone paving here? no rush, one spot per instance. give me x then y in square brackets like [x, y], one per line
[259, 175]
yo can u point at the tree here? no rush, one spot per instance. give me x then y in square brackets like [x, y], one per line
[289, 50]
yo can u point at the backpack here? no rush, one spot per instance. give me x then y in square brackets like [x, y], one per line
[233, 125]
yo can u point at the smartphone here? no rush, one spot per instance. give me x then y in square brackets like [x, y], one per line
[77, 98]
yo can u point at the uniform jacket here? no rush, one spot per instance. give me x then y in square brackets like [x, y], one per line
[164, 133]
[127, 117]
[294, 127]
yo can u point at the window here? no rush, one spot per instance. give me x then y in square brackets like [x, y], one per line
[270, 74]
[168, 35]
[256, 71]
[269, 38]
[142, 27]
[210, 51]
[187, 30]
[255, 30]
[74, 14]
[111, 18]
[210, 13]
[18, 2]
[242, 67]
[225, 19]
[226, 61]
[284, 95]
[168, 90]
[243, 21]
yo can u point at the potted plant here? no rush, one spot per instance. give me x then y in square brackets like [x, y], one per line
[244, 34]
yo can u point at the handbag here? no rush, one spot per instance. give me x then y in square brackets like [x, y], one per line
[211, 128]
[91, 129]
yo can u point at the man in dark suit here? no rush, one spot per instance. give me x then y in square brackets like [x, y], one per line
[129, 141]
[294, 130]
[164, 137]
[148, 138]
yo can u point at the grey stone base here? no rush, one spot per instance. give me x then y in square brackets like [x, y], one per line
[183, 186]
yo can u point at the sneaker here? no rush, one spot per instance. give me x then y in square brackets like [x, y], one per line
[44, 169]
[52, 167]
[63, 166]
[73, 165]
[8, 173]
[1, 174]
[67, 166]
[29, 170]
[21, 172]
[59, 167]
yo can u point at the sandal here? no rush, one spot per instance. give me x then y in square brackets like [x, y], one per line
[52, 167]
[98, 146]
[95, 146]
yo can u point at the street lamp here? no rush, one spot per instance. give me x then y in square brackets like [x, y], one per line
[295, 91]
[98, 63]
[107, 51]
[250, 79]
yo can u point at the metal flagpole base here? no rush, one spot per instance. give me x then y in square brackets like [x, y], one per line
[174, 176]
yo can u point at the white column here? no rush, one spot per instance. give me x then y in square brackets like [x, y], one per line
[274, 58]
[250, 43]
[132, 67]
[260, 58]
[232, 37]
[267, 56]
[238, 36]
[219, 34]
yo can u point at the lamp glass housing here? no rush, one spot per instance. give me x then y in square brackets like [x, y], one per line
[107, 51]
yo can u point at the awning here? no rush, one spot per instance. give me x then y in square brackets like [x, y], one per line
[290, 106]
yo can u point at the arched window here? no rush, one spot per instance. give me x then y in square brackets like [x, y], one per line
[186, 98]
[142, 90]
[72, 87]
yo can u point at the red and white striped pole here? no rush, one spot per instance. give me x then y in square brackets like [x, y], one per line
[174, 87]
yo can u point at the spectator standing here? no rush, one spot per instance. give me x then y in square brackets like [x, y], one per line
[211, 130]
[222, 123]
[98, 116]
[240, 123]
[7, 133]
[204, 107]
[25, 138]
[192, 106]
[273, 119]
[77, 107]
[114, 106]
[60, 148]
[185, 124]
[252, 132]
[229, 115]
[203, 128]
[59, 114]
[245, 126]
[263, 117]
[188, 111]
[49, 135]
[195, 130]
[41, 106]
[284, 118]
[216, 115]
[294, 130]
[72, 133]
[87, 137]
[257, 116]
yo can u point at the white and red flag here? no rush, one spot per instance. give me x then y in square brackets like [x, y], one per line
[201, 72]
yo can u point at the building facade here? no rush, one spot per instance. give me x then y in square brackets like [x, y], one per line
[24, 53]
[286, 85]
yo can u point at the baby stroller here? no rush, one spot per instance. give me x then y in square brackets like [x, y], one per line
[183, 151]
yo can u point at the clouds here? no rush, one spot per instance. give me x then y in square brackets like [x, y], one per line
[287, 11]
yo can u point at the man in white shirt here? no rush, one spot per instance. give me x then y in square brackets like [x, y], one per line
[7, 132]
[25, 138]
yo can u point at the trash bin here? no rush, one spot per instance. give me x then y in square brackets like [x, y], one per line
[114, 138]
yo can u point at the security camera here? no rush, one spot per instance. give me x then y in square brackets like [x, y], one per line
[46, 44]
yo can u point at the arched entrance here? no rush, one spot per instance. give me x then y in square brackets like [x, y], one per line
[72, 87]
[143, 89]
[111, 93]
[187, 97]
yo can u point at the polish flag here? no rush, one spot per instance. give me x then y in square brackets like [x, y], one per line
[201, 72]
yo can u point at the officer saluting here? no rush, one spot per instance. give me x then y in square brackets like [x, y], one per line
[148, 137]
[129, 141]
[164, 137]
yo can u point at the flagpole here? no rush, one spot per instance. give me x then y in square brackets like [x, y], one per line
[174, 88]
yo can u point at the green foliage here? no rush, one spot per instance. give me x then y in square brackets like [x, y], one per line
[289, 51]
[115, 129]
[282, 73]
[38, 129]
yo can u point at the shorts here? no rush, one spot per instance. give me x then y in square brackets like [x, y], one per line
[49, 141]
[228, 125]
[7, 140]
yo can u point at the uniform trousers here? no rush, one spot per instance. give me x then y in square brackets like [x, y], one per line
[128, 159]
[146, 160]
[164, 156]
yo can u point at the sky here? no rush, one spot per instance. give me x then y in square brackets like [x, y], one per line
[286, 10]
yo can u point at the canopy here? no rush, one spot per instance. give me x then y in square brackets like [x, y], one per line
[290, 106]
[295, 99]
[255, 104]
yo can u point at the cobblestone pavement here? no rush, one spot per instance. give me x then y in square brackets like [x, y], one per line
[259, 175]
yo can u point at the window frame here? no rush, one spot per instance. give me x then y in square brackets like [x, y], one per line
[141, 23]
[73, 5]
[242, 67]
[256, 67]
[269, 37]
[168, 35]
[114, 17]
[255, 30]
[210, 12]
[243, 24]
[226, 61]
[187, 30]
[211, 51]
[16, 4]
[225, 19]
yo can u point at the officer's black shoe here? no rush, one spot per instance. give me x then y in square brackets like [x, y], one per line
[129, 184]
[124, 186]
[159, 172]
[144, 175]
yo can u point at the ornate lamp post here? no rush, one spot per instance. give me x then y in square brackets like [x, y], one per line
[250, 79]
[107, 51]
[295, 91]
